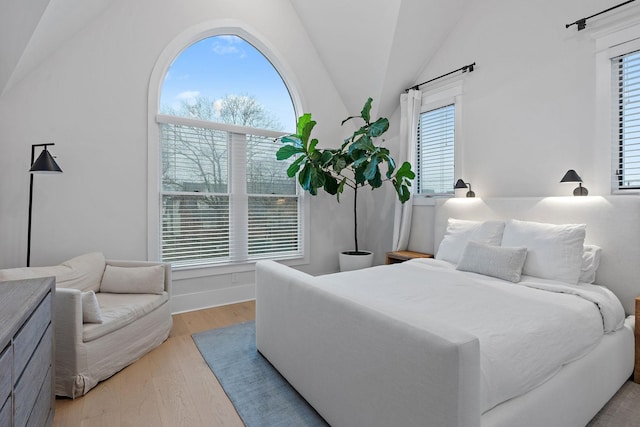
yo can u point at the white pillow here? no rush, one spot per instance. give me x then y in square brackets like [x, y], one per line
[133, 280]
[90, 308]
[590, 263]
[553, 251]
[459, 232]
[495, 261]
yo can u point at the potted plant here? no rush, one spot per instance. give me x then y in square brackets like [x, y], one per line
[356, 164]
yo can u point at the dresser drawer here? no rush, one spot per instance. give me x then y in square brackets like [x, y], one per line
[5, 413]
[27, 339]
[28, 386]
[6, 363]
[41, 412]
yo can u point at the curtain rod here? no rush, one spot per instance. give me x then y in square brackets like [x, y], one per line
[582, 23]
[464, 69]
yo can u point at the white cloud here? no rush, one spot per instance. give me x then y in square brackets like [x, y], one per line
[188, 96]
[226, 45]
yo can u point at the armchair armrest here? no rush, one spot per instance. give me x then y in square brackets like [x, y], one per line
[167, 269]
[68, 330]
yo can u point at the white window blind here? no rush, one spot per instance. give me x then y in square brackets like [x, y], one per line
[626, 74]
[435, 153]
[225, 196]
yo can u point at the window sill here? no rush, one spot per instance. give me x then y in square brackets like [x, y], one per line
[191, 272]
[421, 200]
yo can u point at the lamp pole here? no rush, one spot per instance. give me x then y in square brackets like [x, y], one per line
[45, 163]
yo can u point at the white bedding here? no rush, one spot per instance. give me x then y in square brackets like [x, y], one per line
[527, 331]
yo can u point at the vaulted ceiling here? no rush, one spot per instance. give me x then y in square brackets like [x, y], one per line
[369, 48]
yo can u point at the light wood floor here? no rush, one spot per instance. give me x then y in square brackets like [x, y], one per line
[171, 386]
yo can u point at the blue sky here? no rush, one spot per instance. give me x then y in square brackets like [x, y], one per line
[227, 65]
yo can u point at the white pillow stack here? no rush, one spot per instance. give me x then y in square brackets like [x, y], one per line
[547, 251]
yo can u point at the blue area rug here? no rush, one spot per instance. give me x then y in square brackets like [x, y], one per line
[259, 393]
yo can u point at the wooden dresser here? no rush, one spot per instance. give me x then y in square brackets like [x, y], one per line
[26, 353]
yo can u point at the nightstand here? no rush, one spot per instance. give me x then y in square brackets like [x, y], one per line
[402, 256]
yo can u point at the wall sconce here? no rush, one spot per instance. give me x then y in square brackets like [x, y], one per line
[461, 184]
[44, 164]
[572, 176]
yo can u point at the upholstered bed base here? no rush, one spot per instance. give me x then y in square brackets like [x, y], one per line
[357, 367]
[576, 393]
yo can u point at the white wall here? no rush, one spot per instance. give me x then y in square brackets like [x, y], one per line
[90, 98]
[529, 108]
[528, 116]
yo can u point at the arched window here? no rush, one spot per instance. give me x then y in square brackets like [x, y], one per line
[224, 196]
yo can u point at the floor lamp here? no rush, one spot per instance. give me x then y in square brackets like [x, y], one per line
[44, 164]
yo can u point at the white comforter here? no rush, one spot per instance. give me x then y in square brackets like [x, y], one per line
[527, 331]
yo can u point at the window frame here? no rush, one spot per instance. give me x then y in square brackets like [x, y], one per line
[611, 40]
[438, 97]
[171, 51]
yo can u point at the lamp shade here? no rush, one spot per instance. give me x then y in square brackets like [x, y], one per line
[571, 176]
[45, 163]
[460, 184]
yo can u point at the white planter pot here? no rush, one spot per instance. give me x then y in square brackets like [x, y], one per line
[355, 261]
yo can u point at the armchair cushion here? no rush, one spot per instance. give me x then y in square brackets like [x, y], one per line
[120, 310]
[133, 280]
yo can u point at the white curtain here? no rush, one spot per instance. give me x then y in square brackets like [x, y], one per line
[409, 115]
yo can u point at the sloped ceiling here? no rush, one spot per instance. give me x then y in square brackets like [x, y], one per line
[30, 30]
[377, 48]
[370, 49]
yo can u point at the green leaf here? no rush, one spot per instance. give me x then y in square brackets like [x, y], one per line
[306, 133]
[404, 194]
[303, 121]
[291, 139]
[363, 143]
[376, 181]
[304, 178]
[405, 171]
[294, 167]
[379, 127]
[366, 110]
[330, 184]
[317, 178]
[391, 166]
[339, 163]
[359, 174]
[287, 151]
[312, 144]
[371, 169]
[326, 158]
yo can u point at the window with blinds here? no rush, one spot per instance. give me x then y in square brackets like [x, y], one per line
[435, 152]
[225, 197]
[626, 74]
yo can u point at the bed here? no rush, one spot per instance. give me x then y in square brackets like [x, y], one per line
[425, 343]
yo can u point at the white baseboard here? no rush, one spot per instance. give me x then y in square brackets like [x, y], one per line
[213, 298]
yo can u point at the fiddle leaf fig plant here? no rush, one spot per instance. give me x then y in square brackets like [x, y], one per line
[356, 164]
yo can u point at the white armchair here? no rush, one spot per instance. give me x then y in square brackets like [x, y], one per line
[135, 316]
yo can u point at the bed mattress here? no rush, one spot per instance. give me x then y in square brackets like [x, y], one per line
[527, 331]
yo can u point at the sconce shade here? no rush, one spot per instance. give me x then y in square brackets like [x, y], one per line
[460, 184]
[571, 176]
[45, 163]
